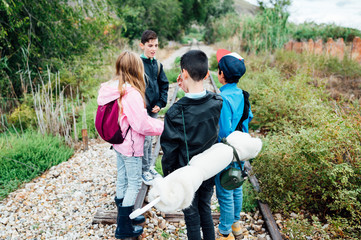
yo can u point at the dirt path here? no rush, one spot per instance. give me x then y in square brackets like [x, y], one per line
[169, 62]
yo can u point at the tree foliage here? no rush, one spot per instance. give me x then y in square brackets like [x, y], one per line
[35, 34]
[169, 18]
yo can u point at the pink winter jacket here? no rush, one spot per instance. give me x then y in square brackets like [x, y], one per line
[134, 114]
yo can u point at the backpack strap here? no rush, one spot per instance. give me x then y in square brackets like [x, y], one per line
[158, 64]
[146, 76]
[235, 156]
[185, 136]
[127, 132]
[111, 146]
[245, 113]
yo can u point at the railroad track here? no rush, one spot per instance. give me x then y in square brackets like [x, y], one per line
[109, 217]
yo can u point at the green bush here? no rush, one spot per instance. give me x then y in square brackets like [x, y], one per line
[222, 28]
[23, 117]
[172, 74]
[213, 63]
[23, 158]
[311, 30]
[311, 154]
[39, 34]
[249, 203]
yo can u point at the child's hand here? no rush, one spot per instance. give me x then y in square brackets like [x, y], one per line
[155, 109]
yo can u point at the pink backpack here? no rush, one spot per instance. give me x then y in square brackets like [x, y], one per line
[106, 123]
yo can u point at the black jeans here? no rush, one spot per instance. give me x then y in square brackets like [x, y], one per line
[199, 213]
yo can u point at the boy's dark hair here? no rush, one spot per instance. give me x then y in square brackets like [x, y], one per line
[233, 80]
[148, 35]
[196, 63]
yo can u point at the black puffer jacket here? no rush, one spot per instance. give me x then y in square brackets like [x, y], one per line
[201, 122]
[156, 91]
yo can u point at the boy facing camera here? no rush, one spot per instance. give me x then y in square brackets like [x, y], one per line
[156, 94]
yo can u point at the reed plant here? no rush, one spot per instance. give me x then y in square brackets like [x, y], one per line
[52, 109]
[266, 31]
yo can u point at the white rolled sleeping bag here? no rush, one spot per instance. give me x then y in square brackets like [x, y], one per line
[176, 191]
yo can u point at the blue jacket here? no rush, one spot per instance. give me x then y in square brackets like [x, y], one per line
[232, 110]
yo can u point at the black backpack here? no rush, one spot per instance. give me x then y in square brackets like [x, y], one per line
[245, 111]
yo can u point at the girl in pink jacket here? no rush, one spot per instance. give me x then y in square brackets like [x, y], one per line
[128, 86]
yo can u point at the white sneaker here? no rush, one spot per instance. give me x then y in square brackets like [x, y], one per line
[154, 172]
[147, 178]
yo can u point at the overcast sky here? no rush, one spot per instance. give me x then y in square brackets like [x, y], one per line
[345, 13]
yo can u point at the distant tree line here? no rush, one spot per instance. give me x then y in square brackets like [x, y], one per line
[169, 18]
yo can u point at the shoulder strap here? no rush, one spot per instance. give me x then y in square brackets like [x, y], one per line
[245, 113]
[235, 155]
[185, 136]
[158, 64]
[146, 76]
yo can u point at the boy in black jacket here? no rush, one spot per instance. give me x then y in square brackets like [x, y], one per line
[156, 94]
[191, 127]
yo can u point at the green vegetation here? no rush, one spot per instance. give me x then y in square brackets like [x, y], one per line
[25, 157]
[311, 154]
[172, 74]
[269, 29]
[39, 35]
[86, 119]
[249, 203]
[169, 18]
[315, 31]
[54, 55]
[222, 28]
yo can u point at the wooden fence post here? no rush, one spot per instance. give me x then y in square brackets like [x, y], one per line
[84, 132]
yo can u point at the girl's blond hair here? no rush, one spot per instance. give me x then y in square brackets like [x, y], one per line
[129, 69]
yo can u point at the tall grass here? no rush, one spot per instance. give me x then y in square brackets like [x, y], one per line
[266, 31]
[52, 113]
[24, 157]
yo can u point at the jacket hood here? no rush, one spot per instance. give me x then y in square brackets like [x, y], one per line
[108, 92]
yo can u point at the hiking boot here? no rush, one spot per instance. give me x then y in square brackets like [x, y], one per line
[154, 172]
[147, 178]
[223, 237]
[236, 229]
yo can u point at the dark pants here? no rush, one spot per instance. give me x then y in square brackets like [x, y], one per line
[199, 213]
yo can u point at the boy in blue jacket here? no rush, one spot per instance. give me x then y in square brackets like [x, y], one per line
[230, 69]
[156, 94]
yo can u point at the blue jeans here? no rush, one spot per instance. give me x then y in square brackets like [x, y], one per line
[147, 157]
[129, 181]
[199, 214]
[230, 203]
